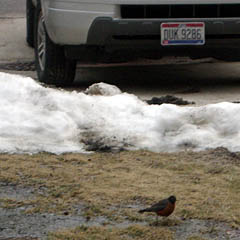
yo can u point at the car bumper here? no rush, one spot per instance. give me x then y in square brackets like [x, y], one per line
[76, 23]
[99, 26]
[223, 49]
[126, 37]
[69, 23]
[108, 31]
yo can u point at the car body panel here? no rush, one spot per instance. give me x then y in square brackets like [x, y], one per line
[74, 28]
[143, 1]
[95, 22]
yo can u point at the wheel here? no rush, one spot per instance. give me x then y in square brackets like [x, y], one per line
[30, 22]
[51, 64]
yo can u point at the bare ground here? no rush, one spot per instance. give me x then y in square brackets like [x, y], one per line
[97, 196]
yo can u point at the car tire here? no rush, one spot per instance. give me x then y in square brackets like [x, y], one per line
[52, 66]
[30, 22]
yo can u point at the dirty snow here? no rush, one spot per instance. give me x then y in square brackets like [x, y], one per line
[34, 118]
[103, 89]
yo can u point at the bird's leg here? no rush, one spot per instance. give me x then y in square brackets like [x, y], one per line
[156, 219]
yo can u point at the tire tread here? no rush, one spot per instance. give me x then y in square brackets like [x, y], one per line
[59, 70]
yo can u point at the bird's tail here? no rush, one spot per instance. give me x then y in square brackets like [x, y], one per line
[144, 210]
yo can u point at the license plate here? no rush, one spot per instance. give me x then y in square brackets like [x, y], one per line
[184, 33]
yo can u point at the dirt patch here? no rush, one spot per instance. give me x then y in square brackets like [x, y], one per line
[16, 223]
[220, 156]
[168, 99]
[77, 196]
[94, 141]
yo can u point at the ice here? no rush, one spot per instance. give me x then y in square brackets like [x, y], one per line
[35, 118]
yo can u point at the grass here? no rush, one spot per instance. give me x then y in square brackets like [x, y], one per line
[196, 238]
[100, 233]
[206, 185]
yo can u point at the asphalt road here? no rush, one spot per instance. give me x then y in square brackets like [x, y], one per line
[12, 8]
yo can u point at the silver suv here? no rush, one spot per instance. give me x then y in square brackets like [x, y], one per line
[66, 31]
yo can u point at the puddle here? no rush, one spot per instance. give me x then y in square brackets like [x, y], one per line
[14, 223]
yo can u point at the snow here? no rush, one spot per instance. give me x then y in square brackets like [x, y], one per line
[35, 118]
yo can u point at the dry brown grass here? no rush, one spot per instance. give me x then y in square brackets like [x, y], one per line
[206, 184]
[100, 233]
[196, 238]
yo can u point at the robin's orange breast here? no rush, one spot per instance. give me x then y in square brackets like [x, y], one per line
[167, 210]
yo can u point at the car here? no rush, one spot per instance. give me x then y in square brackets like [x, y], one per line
[66, 32]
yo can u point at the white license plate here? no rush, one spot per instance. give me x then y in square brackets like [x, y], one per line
[184, 33]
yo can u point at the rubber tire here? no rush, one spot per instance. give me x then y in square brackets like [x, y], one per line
[57, 70]
[30, 23]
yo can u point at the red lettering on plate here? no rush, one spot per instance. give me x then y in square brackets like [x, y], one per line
[174, 25]
[194, 25]
[169, 25]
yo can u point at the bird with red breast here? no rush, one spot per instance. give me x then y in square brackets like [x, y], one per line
[163, 208]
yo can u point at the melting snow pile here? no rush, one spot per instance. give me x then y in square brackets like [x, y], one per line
[34, 118]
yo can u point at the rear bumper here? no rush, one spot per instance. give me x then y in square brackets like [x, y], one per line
[118, 40]
[75, 23]
[225, 49]
[108, 31]
[69, 22]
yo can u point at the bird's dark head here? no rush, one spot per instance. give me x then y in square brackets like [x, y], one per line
[172, 199]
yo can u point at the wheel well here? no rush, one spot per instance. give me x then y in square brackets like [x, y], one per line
[34, 3]
[30, 12]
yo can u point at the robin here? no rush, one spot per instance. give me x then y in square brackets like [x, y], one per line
[163, 208]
